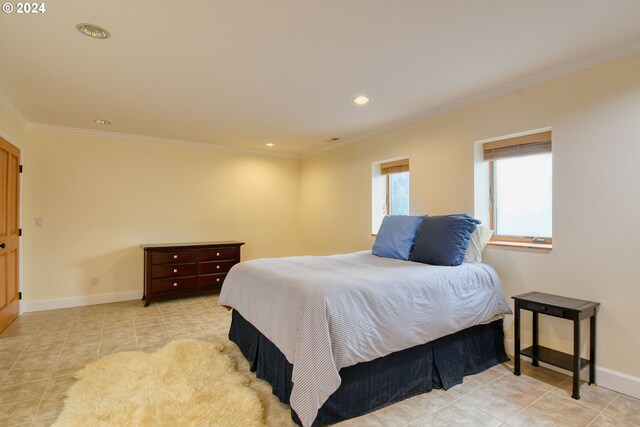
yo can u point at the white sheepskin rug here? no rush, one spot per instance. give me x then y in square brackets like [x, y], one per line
[186, 383]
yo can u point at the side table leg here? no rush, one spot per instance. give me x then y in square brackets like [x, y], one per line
[534, 360]
[592, 350]
[516, 345]
[576, 358]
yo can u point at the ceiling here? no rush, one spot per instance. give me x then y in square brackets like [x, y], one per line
[242, 73]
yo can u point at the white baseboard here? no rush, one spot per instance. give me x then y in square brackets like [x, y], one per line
[607, 378]
[52, 304]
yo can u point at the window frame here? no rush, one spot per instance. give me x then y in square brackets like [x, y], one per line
[390, 168]
[538, 143]
[380, 188]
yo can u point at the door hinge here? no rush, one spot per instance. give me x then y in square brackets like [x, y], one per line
[20, 168]
[19, 295]
[19, 232]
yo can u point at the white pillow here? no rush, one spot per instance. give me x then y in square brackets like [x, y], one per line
[479, 239]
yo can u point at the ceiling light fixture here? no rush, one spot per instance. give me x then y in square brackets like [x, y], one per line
[360, 100]
[102, 122]
[93, 31]
[270, 144]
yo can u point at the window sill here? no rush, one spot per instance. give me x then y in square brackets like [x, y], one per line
[530, 245]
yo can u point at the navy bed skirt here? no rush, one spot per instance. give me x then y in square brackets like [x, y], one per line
[369, 386]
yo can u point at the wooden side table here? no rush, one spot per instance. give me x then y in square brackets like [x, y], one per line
[566, 308]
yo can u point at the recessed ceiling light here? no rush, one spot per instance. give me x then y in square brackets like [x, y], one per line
[270, 144]
[102, 122]
[360, 100]
[93, 31]
[334, 139]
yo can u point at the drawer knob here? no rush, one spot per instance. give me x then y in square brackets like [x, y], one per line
[218, 279]
[217, 267]
[217, 253]
[175, 284]
[175, 257]
[175, 270]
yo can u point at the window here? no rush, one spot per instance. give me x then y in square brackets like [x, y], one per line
[520, 171]
[397, 182]
[390, 186]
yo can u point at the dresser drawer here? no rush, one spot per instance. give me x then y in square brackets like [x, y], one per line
[166, 257]
[173, 270]
[213, 267]
[211, 281]
[162, 285]
[217, 253]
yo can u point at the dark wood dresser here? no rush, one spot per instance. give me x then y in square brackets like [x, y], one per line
[182, 269]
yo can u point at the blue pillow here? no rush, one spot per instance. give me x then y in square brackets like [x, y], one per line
[443, 240]
[396, 236]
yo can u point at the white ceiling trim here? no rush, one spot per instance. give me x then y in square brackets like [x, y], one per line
[554, 73]
[12, 110]
[153, 139]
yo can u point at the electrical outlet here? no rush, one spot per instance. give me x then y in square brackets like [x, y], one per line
[39, 221]
[95, 280]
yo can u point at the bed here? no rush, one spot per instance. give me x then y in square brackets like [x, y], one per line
[341, 335]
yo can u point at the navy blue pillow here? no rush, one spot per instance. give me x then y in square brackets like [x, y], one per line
[396, 236]
[443, 240]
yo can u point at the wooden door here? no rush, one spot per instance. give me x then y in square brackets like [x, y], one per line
[9, 203]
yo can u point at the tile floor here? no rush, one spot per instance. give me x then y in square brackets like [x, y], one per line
[40, 352]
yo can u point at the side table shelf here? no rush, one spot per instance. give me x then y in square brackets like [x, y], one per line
[566, 308]
[553, 357]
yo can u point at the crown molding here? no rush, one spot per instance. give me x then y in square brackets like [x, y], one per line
[494, 92]
[153, 139]
[12, 110]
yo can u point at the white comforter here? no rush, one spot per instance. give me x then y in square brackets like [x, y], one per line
[325, 313]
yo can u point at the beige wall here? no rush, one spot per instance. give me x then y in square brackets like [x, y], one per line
[101, 197]
[595, 117]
